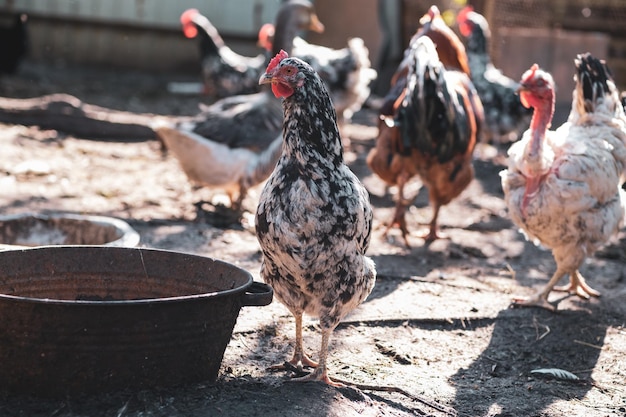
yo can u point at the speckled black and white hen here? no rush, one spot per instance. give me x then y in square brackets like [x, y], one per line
[314, 218]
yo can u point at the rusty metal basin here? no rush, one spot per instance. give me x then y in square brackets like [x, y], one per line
[89, 319]
[29, 229]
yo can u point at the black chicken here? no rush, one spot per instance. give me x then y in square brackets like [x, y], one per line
[225, 72]
[234, 143]
[314, 219]
[13, 43]
[505, 117]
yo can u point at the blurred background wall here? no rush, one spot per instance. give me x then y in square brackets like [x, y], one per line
[145, 34]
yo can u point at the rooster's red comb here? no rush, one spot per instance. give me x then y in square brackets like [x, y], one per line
[276, 60]
[433, 11]
[186, 19]
[462, 16]
[531, 72]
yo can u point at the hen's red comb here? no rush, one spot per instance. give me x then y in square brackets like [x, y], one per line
[186, 19]
[531, 72]
[276, 60]
[266, 36]
[462, 16]
[433, 11]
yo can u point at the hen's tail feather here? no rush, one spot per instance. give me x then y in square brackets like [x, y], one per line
[595, 81]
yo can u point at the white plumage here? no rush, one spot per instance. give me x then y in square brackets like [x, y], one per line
[563, 187]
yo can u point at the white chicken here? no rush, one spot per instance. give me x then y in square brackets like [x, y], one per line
[562, 188]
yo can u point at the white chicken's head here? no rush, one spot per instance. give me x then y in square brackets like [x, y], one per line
[286, 74]
[536, 88]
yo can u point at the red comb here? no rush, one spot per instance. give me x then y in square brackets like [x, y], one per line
[433, 11]
[266, 36]
[276, 60]
[462, 16]
[531, 72]
[186, 19]
[464, 26]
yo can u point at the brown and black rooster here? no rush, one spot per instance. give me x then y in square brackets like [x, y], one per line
[450, 49]
[429, 129]
[314, 218]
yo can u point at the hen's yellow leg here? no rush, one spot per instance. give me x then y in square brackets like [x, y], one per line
[300, 358]
[320, 373]
[540, 299]
[577, 285]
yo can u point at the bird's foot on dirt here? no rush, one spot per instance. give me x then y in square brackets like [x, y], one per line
[538, 300]
[433, 234]
[578, 287]
[403, 230]
[318, 375]
[295, 365]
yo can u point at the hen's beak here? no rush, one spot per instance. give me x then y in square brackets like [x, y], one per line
[522, 97]
[316, 25]
[266, 78]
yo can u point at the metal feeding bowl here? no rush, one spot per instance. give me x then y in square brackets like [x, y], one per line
[90, 319]
[65, 229]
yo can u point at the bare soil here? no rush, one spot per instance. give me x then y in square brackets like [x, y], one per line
[436, 337]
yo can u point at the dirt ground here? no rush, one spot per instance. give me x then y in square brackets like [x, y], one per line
[438, 328]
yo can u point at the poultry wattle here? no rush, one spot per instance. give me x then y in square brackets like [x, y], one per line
[314, 219]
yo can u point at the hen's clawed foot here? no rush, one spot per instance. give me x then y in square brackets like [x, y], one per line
[433, 235]
[318, 375]
[577, 285]
[400, 222]
[296, 365]
[538, 300]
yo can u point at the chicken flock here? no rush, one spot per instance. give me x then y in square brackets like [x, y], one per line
[276, 119]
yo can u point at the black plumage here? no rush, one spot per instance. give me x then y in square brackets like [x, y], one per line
[13, 43]
[225, 72]
[314, 219]
[505, 117]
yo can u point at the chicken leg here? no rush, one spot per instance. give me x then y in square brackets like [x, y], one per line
[432, 234]
[300, 358]
[399, 214]
[577, 285]
[320, 373]
[540, 299]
